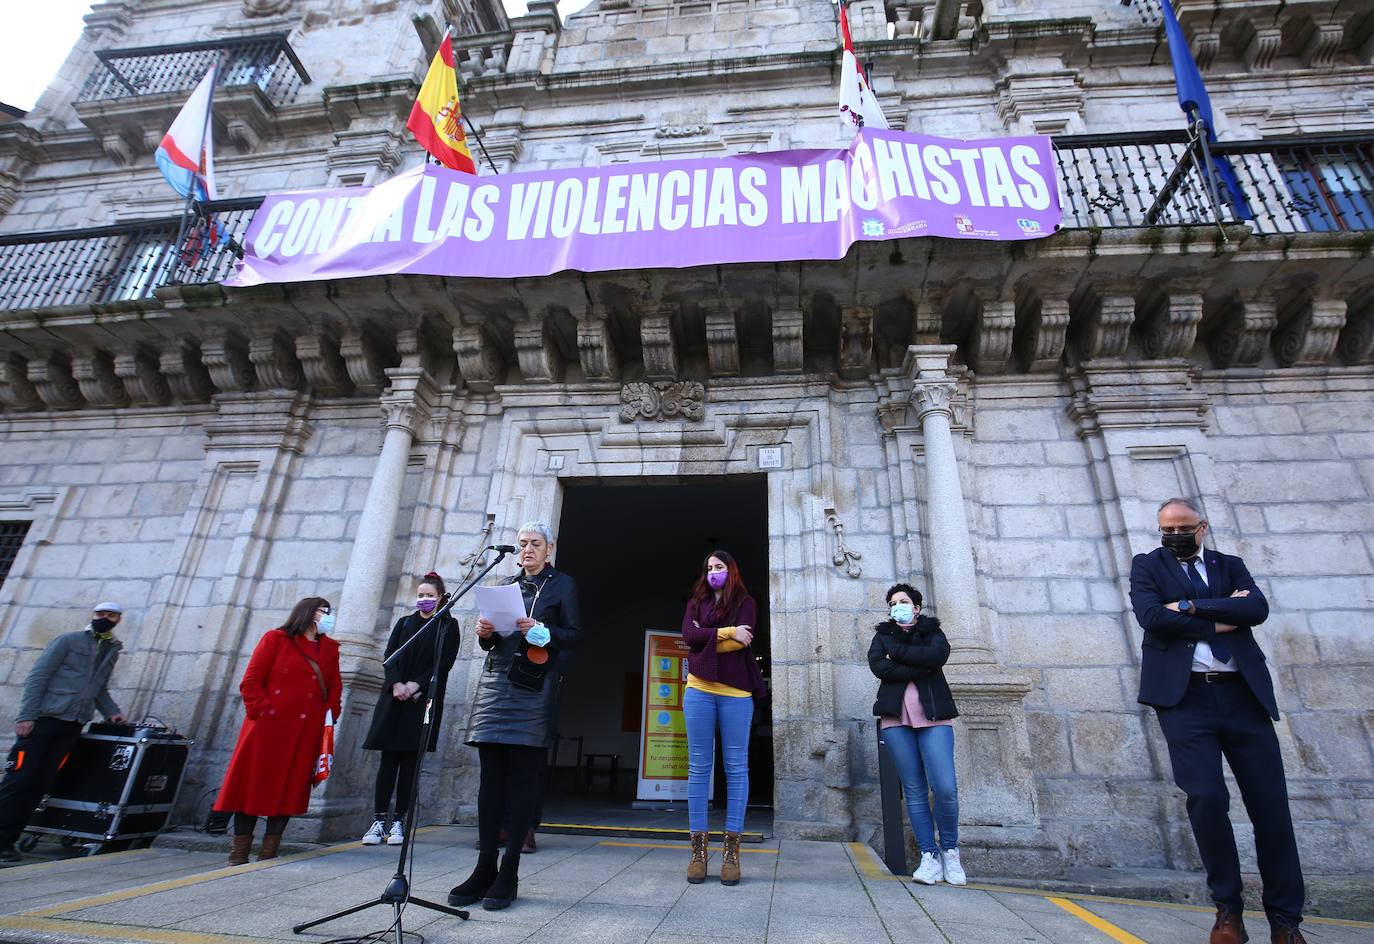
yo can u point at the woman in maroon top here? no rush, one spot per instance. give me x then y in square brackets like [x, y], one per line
[723, 676]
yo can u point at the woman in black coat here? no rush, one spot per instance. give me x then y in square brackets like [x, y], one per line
[916, 710]
[512, 716]
[400, 712]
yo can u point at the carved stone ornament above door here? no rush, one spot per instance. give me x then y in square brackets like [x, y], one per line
[663, 400]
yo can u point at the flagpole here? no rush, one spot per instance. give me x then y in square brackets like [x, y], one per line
[480, 145]
[180, 248]
[1200, 133]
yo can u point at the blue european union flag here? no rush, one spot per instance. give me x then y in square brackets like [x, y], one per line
[1192, 97]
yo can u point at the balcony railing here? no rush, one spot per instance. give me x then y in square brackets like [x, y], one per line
[121, 262]
[1291, 185]
[267, 62]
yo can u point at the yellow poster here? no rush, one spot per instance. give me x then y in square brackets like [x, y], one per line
[663, 728]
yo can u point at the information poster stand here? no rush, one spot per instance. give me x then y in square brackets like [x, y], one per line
[662, 727]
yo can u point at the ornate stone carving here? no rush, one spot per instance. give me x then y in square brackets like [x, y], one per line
[660, 347]
[1206, 45]
[51, 375]
[855, 356]
[275, 362]
[1243, 336]
[1105, 320]
[225, 355]
[538, 356]
[477, 359]
[137, 367]
[595, 348]
[1309, 327]
[93, 371]
[1356, 343]
[117, 149]
[788, 343]
[1170, 321]
[664, 400]
[996, 324]
[16, 390]
[265, 7]
[1261, 47]
[933, 396]
[186, 375]
[323, 364]
[1039, 344]
[844, 555]
[722, 342]
[363, 358]
[1323, 41]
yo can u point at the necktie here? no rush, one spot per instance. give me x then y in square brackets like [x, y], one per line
[1201, 590]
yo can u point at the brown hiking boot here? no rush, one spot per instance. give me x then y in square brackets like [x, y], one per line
[729, 863]
[270, 845]
[1229, 928]
[238, 849]
[696, 869]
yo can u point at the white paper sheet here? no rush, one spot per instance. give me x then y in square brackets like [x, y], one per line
[502, 606]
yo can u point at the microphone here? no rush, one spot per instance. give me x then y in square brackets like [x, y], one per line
[503, 548]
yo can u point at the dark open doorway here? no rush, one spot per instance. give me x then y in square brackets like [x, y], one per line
[635, 550]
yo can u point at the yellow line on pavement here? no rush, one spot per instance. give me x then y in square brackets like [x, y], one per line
[1103, 925]
[679, 848]
[95, 901]
[869, 865]
[120, 932]
[32, 867]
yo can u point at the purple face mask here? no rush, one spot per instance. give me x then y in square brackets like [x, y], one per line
[426, 605]
[717, 578]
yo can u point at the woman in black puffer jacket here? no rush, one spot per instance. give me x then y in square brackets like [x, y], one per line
[916, 711]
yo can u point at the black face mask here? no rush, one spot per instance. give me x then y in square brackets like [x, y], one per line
[1183, 546]
[102, 625]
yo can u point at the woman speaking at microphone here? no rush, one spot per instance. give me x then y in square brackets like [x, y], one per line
[512, 712]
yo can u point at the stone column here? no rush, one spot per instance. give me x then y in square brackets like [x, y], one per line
[406, 404]
[951, 548]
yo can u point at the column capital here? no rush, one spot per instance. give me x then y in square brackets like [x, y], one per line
[933, 396]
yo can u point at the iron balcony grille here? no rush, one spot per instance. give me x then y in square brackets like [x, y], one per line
[11, 540]
[267, 62]
[1292, 185]
[121, 262]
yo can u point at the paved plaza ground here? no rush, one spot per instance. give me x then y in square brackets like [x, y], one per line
[575, 889]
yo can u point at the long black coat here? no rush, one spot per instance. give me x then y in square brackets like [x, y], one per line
[396, 724]
[504, 714]
[898, 655]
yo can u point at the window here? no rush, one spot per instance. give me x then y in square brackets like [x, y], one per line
[1331, 192]
[11, 539]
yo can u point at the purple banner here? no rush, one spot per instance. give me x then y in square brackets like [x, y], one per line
[770, 207]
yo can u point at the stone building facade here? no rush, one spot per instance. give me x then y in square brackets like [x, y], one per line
[995, 422]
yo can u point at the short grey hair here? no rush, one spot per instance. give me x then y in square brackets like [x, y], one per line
[1188, 503]
[541, 528]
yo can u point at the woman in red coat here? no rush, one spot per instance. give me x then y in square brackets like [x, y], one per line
[291, 680]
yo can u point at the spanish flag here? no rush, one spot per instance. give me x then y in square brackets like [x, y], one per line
[436, 119]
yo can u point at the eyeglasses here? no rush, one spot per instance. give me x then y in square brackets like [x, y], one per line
[1184, 529]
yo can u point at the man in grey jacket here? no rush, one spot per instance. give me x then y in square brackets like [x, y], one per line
[65, 687]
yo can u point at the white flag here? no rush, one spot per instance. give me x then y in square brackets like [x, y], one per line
[858, 105]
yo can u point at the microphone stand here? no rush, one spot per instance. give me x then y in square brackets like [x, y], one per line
[397, 892]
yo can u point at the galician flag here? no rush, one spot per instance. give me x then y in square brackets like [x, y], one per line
[186, 155]
[436, 119]
[858, 105]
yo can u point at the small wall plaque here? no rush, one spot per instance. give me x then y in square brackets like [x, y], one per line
[770, 457]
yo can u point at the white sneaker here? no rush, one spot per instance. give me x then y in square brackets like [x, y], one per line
[954, 871]
[397, 834]
[374, 834]
[930, 870]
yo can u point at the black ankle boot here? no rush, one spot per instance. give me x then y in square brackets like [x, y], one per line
[502, 891]
[476, 885]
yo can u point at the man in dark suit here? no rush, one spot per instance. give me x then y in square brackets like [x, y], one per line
[1206, 678]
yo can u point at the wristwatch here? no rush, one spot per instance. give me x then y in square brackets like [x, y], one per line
[1185, 606]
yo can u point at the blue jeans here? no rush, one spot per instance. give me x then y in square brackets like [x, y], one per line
[703, 713]
[924, 758]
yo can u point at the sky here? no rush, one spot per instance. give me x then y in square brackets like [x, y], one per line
[38, 34]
